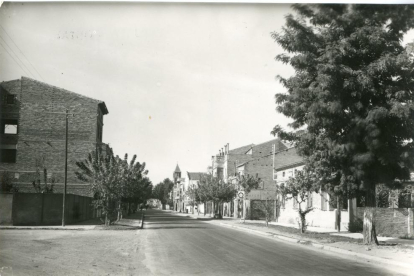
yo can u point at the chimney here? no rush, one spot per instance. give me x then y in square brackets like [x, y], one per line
[228, 147]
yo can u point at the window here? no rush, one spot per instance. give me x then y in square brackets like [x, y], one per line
[310, 199]
[257, 175]
[10, 99]
[8, 155]
[9, 126]
[296, 171]
[283, 174]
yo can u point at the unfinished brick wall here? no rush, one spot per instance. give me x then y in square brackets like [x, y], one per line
[41, 135]
[391, 222]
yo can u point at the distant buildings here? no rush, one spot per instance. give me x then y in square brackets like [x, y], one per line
[33, 132]
[178, 190]
[192, 180]
[250, 160]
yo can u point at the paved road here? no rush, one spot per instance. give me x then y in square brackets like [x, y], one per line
[168, 245]
[183, 245]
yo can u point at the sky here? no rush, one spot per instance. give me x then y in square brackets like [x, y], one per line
[180, 80]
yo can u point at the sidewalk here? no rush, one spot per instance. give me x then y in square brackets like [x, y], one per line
[398, 253]
[133, 221]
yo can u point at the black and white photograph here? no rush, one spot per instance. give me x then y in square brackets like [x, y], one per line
[206, 138]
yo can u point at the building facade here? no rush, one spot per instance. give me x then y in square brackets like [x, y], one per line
[286, 164]
[250, 160]
[192, 180]
[33, 132]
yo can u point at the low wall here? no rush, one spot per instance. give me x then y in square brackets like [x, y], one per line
[43, 209]
[315, 218]
[391, 222]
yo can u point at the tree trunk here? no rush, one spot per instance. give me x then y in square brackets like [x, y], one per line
[370, 236]
[106, 212]
[119, 211]
[338, 214]
[302, 217]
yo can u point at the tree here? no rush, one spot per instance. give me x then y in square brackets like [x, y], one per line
[192, 195]
[37, 184]
[162, 191]
[101, 170]
[300, 188]
[267, 208]
[131, 182]
[114, 181]
[216, 190]
[352, 91]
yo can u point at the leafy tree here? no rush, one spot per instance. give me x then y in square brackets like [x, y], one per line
[300, 188]
[101, 170]
[162, 191]
[193, 197]
[216, 190]
[131, 182]
[352, 90]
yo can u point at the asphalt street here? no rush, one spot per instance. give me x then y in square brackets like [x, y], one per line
[168, 245]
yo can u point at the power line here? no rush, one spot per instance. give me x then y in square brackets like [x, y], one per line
[17, 57]
[13, 59]
[22, 53]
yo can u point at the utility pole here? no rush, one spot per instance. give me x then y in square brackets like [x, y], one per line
[66, 113]
[66, 169]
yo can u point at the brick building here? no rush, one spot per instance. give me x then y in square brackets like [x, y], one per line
[33, 132]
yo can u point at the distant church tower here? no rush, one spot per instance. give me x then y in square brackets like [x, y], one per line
[177, 174]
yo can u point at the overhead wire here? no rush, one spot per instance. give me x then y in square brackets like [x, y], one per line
[13, 58]
[11, 49]
[22, 52]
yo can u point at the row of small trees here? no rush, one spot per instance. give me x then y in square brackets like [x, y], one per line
[115, 182]
[218, 191]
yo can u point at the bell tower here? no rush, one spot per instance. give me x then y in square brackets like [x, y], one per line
[177, 174]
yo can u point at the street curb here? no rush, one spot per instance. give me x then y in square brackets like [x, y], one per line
[318, 246]
[45, 228]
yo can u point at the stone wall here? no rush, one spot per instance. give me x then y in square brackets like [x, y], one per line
[391, 222]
